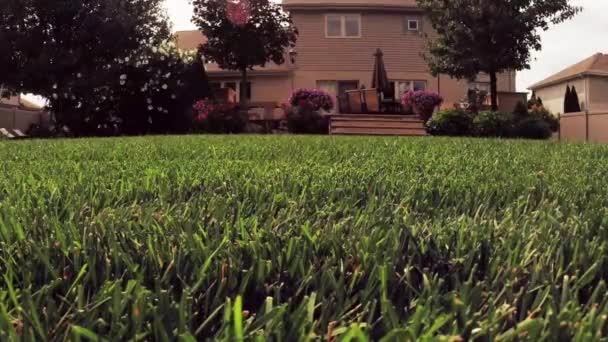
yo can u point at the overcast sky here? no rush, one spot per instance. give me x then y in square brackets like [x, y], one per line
[563, 45]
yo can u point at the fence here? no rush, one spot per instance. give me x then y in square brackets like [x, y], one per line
[16, 118]
[584, 127]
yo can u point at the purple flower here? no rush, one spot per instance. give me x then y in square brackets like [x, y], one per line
[424, 101]
[316, 98]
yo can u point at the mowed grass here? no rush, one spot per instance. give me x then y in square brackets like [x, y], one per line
[303, 238]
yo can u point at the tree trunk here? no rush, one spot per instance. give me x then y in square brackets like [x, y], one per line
[493, 90]
[243, 90]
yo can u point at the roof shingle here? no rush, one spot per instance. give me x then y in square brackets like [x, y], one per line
[594, 65]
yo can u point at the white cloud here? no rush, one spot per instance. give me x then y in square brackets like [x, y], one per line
[563, 45]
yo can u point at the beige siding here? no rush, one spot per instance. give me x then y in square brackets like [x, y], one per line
[264, 88]
[598, 93]
[402, 49]
[553, 96]
[352, 59]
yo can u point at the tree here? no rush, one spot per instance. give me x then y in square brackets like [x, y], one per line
[568, 100]
[533, 100]
[489, 36]
[74, 53]
[244, 34]
[576, 104]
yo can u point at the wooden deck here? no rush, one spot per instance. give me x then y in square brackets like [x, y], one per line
[376, 124]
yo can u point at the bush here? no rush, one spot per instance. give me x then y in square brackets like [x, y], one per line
[304, 119]
[493, 124]
[541, 112]
[451, 122]
[533, 128]
[315, 98]
[520, 110]
[423, 102]
[218, 118]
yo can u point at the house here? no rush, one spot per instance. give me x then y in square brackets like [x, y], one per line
[17, 112]
[335, 52]
[589, 77]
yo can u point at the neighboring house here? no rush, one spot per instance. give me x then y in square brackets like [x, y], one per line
[589, 77]
[17, 112]
[335, 52]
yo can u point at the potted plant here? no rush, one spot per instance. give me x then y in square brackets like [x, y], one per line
[304, 113]
[422, 102]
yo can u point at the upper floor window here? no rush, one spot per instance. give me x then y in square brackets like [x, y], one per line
[413, 25]
[343, 26]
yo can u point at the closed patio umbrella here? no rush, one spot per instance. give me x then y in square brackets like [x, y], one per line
[380, 77]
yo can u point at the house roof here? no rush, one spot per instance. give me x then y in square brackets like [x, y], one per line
[594, 65]
[189, 40]
[371, 4]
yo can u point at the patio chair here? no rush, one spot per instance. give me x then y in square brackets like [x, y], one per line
[372, 101]
[6, 134]
[19, 134]
[354, 101]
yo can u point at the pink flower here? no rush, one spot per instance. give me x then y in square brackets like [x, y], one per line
[317, 99]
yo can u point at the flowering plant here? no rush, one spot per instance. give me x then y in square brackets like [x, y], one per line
[202, 109]
[316, 98]
[218, 118]
[424, 102]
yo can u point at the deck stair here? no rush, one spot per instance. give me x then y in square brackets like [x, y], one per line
[376, 124]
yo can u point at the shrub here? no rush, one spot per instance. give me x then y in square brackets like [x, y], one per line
[451, 122]
[423, 102]
[520, 110]
[218, 118]
[476, 99]
[494, 124]
[315, 98]
[533, 128]
[541, 112]
[304, 119]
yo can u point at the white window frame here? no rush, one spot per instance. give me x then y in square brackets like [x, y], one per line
[409, 28]
[398, 94]
[238, 87]
[342, 17]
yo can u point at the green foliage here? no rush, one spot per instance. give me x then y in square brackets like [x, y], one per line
[244, 34]
[489, 36]
[575, 103]
[80, 55]
[533, 128]
[288, 238]
[494, 124]
[224, 119]
[450, 122]
[542, 113]
[520, 110]
[303, 119]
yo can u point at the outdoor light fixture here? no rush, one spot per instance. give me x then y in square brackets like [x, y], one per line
[292, 55]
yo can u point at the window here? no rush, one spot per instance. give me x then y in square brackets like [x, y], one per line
[412, 25]
[343, 26]
[338, 90]
[402, 86]
[234, 85]
[483, 86]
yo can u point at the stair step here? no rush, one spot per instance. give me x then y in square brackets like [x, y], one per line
[379, 124]
[378, 131]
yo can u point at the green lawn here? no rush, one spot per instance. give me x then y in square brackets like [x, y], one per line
[283, 237]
